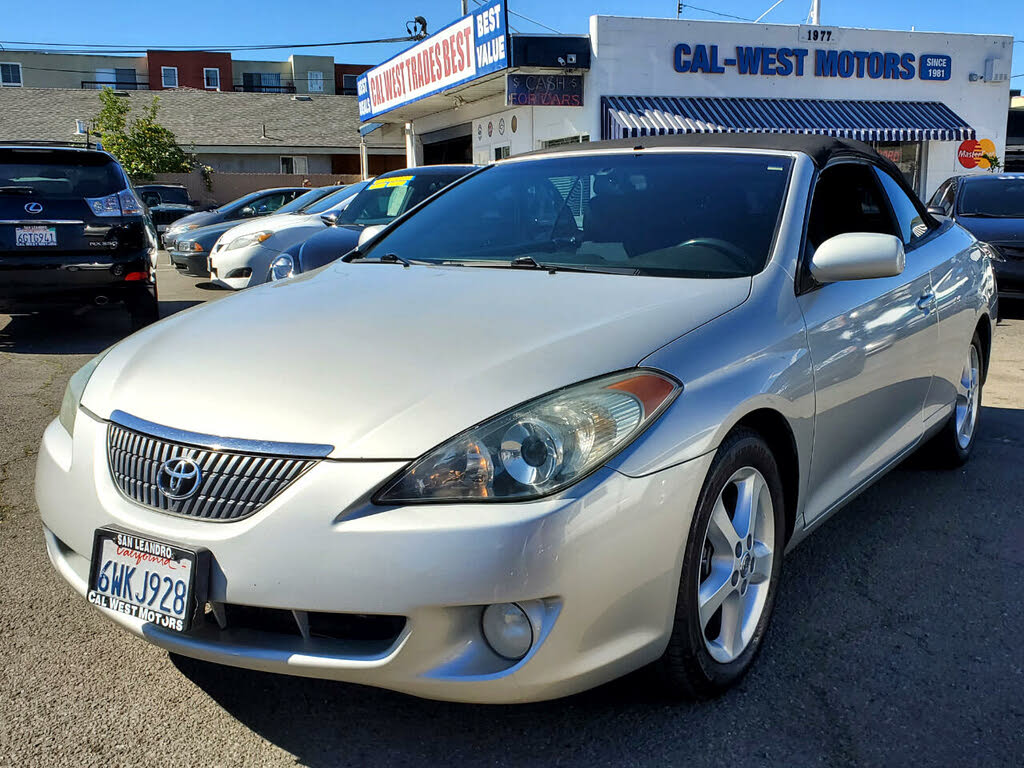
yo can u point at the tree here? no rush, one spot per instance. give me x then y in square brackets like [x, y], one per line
[142, 145]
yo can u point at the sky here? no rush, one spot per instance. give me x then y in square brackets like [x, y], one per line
[211, 23]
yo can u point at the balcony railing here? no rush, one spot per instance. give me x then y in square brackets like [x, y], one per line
[260, 88]
[122, 86]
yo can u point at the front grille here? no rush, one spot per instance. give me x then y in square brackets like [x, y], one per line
[232, 485]
[167, 217]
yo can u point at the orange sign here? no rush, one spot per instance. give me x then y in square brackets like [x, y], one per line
[971, 153]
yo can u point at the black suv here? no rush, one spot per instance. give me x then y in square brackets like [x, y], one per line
[73, 233]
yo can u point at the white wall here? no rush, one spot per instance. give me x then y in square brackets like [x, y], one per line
[635, 57]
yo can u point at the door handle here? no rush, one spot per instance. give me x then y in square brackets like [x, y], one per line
[926, 302]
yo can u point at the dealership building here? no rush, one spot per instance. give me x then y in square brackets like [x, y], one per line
[934, 103]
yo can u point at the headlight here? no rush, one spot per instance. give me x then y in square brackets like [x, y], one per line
[188, 245]
[538, 447]
[282, 267]
[250, 239]
[73, 393]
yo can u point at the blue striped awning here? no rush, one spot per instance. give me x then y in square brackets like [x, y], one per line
[630, 116]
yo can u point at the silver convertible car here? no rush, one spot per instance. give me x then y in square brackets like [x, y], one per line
[559, 422]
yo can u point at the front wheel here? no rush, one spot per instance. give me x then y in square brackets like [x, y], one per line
[730, 573]
[952, 446]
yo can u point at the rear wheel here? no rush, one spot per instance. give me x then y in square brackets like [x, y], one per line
[952, 446]
[731, 569]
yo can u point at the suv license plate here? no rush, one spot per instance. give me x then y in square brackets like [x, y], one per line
[150, 580]
[33, 237]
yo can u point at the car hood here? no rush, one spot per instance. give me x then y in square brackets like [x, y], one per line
[208, 235]
[384, 362]
[328, 245]
[199, 218]
[288, 228]
[994, 230]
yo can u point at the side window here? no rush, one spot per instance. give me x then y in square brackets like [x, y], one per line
[847, 198]
[940, 193]
[912, 226]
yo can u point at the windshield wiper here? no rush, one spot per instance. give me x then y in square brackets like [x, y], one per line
[387, 258]
[17, 189]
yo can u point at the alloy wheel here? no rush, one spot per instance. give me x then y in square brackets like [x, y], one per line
[967, 399]
[736, 565]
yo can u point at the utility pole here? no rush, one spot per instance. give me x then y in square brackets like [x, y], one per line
[465, 7]
[816, 12]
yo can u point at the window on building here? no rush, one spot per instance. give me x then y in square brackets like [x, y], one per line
[578, 139]
[10, 74]
[500, 153]
[294, 164]
[211, 78]
[119, 78]
[264, 82]
[169, 77]
[315, 82]
[348, 84]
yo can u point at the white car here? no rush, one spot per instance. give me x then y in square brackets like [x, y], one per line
[560, 421]
[241, 257]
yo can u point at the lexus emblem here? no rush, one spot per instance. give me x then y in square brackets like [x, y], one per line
[179, 478]
[34, 207]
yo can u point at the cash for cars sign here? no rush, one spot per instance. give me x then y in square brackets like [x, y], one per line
[473, 46]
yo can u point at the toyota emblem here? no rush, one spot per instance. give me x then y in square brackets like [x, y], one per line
[179, 478]
[34, 207]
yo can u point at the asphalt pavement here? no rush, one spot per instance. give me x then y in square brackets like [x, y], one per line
[898, 638]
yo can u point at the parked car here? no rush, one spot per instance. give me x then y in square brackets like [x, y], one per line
[560, 422]
[241, 257]
[387, 197]
[166, 203]
[992, 209]
[189, 250]
[246, 207]
[73, 234]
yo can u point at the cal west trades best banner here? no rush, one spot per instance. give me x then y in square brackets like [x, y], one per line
[473, 46]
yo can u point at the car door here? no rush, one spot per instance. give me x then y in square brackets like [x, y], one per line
[872, 344]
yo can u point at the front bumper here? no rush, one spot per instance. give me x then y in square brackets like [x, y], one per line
[192, 263]
[1009, 277]
[240, 268]
[599, 563]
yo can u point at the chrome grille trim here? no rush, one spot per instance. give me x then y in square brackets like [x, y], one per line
[234, 484]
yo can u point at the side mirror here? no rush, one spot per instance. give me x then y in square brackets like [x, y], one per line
[246, 212]
[369, 233]
[935, 210]
[857, 256]
[330, 219]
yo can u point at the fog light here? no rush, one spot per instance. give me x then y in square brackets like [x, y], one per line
[507, 630]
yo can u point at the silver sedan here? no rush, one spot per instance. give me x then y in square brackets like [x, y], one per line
[559, 422]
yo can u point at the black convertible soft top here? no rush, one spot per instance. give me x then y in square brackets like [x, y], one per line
[821, 149]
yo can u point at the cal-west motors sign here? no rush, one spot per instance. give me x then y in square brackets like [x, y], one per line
[473, 46]
[704, 58]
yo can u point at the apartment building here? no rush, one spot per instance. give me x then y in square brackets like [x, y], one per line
[164, 70]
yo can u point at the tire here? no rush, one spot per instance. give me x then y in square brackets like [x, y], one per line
[951, 447]
[702, 660]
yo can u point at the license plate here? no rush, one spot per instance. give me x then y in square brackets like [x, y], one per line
[34, 237]
[163, 584]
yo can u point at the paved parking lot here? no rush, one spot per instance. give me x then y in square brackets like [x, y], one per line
[898, 637]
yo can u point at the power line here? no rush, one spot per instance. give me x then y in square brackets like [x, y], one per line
[708, 10]
[111, 50]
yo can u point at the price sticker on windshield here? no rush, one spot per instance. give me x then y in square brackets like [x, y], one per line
[394, 181]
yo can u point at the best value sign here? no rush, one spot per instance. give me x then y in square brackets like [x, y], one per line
[473, 46]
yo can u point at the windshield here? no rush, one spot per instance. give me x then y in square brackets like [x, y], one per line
[300, 203]
[692, 214]
[163, 196]
[1002, 198]
[335, 198]
[58, 174]
[386, 198]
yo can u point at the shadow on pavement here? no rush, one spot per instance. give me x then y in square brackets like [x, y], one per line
[1011, 309]
[890, 645]
[73, 333]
